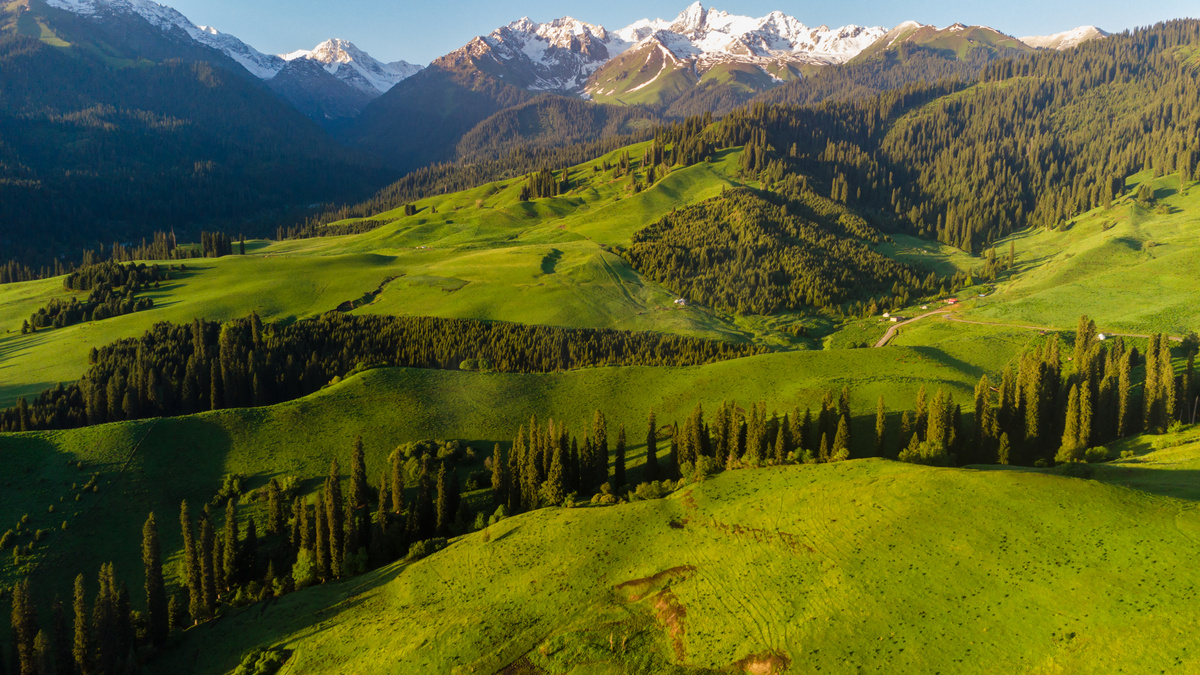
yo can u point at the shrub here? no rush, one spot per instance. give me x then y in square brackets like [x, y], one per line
[304, 572]
[260, 662]
[925, 452]
[231, 487]
[424, 548]
[651, 490]
[1096, 455]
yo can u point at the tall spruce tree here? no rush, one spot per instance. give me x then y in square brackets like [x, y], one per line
[24, 627]
[191, 565]
[445, 511]
[275, 518]
[360, 492]
[208, 573]
[81, 645]
[600, 436]
[841, 441]
[335, 518]
[321, 542]
[156, 591]
[232, 546]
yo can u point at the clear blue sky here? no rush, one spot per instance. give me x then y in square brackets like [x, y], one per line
[419, 31]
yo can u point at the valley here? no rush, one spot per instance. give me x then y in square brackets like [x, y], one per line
[713, 344]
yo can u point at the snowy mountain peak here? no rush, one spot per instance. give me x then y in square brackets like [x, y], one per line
[1066, 39]
[690, 20]
[342, 59]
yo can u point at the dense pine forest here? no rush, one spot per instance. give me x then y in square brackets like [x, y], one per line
[745, 252]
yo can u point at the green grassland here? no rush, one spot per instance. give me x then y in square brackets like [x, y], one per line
[153, 464]
[478, 254]
[1138, 275]
[862, 566]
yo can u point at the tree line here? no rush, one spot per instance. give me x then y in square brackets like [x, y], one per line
[185, 368]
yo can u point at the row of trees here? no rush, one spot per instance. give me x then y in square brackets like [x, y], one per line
[201, 366]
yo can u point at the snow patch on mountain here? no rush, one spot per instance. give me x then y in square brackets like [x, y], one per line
[355, 67]
[170, 20]
[1066, 39]
[713, 36]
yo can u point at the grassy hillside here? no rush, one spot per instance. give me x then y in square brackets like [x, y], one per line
[866, 565]
[152, 465]
[1129, 267]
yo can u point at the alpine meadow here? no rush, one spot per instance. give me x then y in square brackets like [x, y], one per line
[709, 344]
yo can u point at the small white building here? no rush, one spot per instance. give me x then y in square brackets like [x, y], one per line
[886, 315]
[1102, 336]
[681, 302]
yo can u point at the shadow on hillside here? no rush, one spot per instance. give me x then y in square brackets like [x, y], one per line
[941, 357]
[1180, 484]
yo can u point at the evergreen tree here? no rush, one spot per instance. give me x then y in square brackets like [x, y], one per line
[24, 627]
[552, 489]
[841, 442]
[499, 476]
[360, 494]
[321, 531]
[445, 511]
[1002, 454]
[1125, 414]
[208, 573]
[231, 542]
[275, 519]
[397, 482]
[191, 565]
[156, 591]
[43, 654]
[650, 470]
[81, 646]
[600, 447]
[618, 480]
[335, 518]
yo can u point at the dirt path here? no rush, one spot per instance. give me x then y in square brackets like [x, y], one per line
[887, 337]
[891, 333]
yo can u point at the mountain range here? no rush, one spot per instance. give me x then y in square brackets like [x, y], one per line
[648, 62]
[232, 132]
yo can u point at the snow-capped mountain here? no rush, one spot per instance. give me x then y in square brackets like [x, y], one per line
[569, 56]
[332, 81]
[354, 66]
[170, 20]
[714, 35]
[557, 55]
[1066, 39]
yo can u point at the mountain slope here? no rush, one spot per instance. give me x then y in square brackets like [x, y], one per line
[1066, 39]
[96, 150]
[351, 76]
[963, 42]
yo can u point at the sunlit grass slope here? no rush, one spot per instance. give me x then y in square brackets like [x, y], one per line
[152, 465]
[1138, 275]
[864, 566]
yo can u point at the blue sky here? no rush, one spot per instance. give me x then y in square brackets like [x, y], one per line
[420, 31]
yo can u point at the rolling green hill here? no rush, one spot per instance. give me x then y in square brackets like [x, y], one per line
[866, 565]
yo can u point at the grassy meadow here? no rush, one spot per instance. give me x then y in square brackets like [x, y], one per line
[866, 565]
